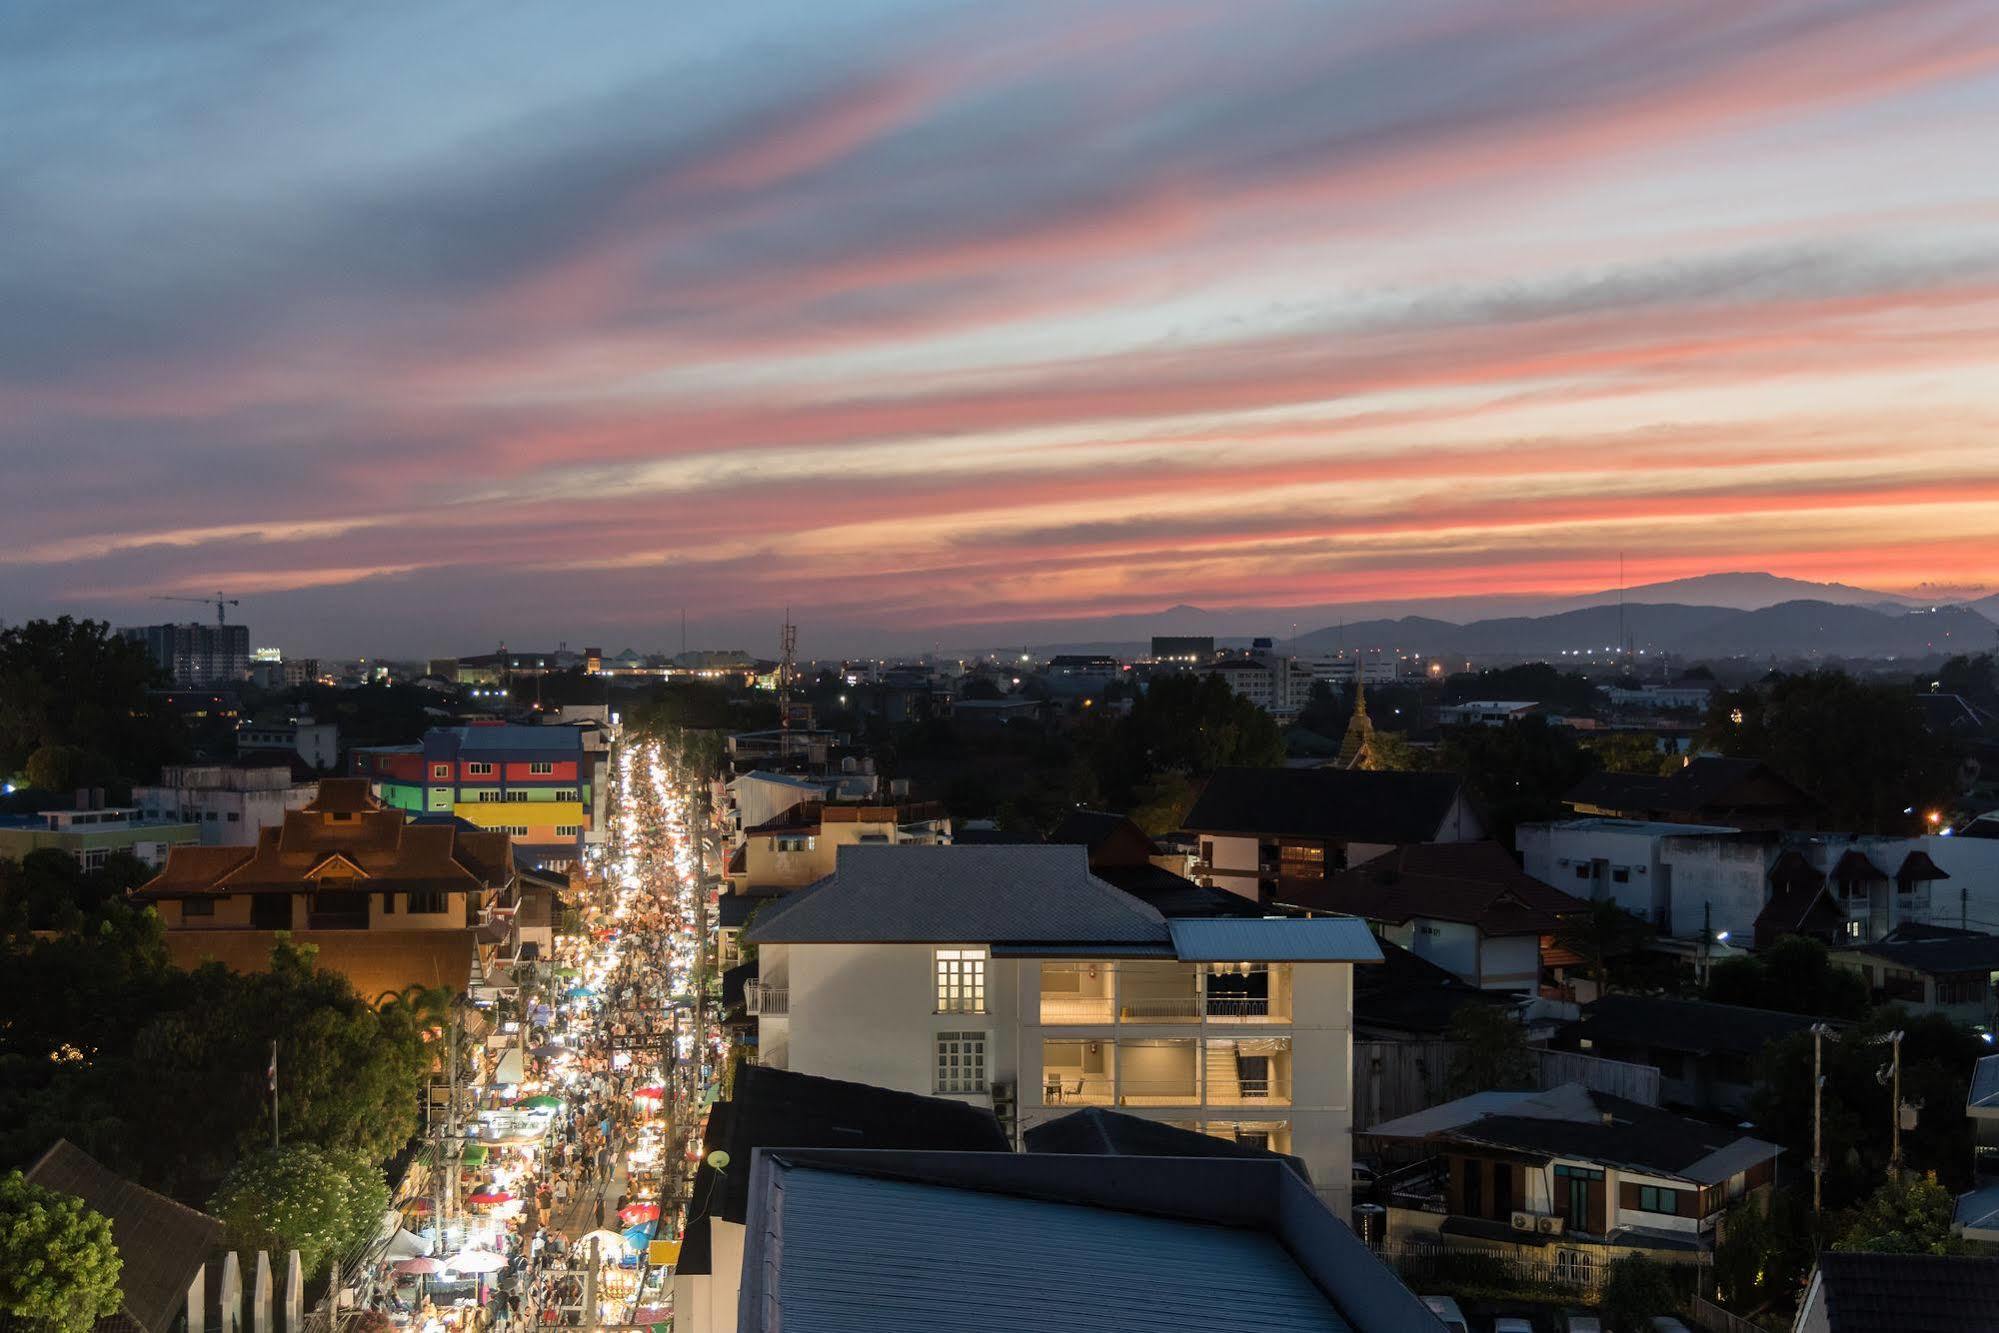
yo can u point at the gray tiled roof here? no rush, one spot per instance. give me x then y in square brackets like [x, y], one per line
[1325, 939]
[1901, 1293]
[163, 1243]
[982, 894]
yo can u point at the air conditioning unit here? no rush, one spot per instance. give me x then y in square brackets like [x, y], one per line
[1523, 1221]
[1550, 1226]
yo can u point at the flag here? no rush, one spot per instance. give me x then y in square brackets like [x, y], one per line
[273, 1071]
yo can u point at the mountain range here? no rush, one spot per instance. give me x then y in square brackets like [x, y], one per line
[1714, 615]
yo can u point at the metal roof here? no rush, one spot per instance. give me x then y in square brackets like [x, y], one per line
[1328, 939]
[989, 894]
[940, 1257]
[1984, 1094]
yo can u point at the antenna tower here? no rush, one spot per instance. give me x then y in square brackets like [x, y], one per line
[787, 664]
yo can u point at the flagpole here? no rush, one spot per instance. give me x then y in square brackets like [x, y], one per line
[275, 1145]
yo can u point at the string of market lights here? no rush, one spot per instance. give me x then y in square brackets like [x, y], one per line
[625, 1047]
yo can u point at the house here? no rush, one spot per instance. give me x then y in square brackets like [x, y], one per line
[387, 900]
[230, 801]
[1012, 977]
[1863, 1292]
[1486, 712]
[1709, 789]
[1121, 853]
[1261, 830]
[317, 743]
[776, 1108]
[539, 785]
[1411, 997]
[1705, 1053]
[93, 833]
[1585, 1172]
[846, 1241]
[757, 797]
[164, 1245]
[1466, 906]
[1930, 970]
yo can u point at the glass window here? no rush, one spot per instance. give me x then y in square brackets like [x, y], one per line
[479, 770]
[961, 981]
[426, 904]
[541, 769]
[440, 770]
[197, 907]
[961, 1062]
[1655, 1199]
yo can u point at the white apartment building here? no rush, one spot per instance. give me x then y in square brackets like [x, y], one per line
[229, 801]
[318, 743]
[1011, 977]
[1337, 669]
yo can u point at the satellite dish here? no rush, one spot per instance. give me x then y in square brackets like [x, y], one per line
[719, 1159]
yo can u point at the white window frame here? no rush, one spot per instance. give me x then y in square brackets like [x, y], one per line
[478, 769]
[541, 768]
[960, 976]
[958, 1063]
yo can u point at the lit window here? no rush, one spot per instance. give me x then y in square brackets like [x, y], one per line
[961, 1062]
[440, 770]
[1655, 1199]
[961, 981]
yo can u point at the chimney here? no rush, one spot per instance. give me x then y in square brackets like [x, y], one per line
[97, 798]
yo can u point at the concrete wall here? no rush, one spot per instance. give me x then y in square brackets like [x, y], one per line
[1510, 962]
[1451, 945]
[706, 1302]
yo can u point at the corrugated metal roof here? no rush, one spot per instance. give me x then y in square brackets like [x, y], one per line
[1329, 939]
[982, 894]
[872, 1255]
[1984, 1095]
[512, 737]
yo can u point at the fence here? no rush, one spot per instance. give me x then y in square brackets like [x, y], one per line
[1576, 1274]
[1714, 1319]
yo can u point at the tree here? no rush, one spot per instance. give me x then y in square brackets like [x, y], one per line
[1862, 748]
[1602, 933]
[1161, 805]
[1627, 752]
[1910, 1214]
[1183, 724]
[1976, 678]
[1391, 752]
[1516, 773]
[59, 1267]
[1635, 1289]
[1796, 975]
[1490, 1051]
[73, 683]
[299, 1198]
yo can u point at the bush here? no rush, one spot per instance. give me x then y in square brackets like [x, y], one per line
[58, 1265]
[1636, 1289]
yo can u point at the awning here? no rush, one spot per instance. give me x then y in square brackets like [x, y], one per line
[406, 1245]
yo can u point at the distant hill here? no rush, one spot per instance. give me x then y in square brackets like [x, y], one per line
[1787, 629]
[1746, 591]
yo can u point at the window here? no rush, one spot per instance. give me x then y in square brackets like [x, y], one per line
[426, 904]
[197, 907]
[1582, 872]
[518, 830]
[961, 981]
[568, 830]
[797, 842]
[961, 1062]
[440, 770]
[209, 816]
[1657, 1199]
[565, 796]
[1474, 1180]
[1207, 851]
[516, 797]
[235, 817]
[1967, 988]
[94, 860]
[1620, 874]
[542, 769]
[1574, 1266]
[479, 770]
[388, 904]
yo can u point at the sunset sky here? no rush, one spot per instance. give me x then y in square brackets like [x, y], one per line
[424, 326]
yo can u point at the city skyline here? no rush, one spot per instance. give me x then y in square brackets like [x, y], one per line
[418, 330]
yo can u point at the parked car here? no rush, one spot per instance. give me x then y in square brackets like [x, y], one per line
[1447, 1310]
[1665, 1323]
[1576, 1322]
[1512, 1323]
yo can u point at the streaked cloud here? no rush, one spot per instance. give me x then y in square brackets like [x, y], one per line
[454, 322]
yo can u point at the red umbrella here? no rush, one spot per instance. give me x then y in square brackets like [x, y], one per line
[421, 1266]
[651, 1092]
[638, 1212]
[489, 1196]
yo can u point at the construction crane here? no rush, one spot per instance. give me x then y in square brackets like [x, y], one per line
[219, 602]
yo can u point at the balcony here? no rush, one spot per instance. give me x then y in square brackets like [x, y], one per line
[1144, 994]
[1166, 1072]
[761, 1001]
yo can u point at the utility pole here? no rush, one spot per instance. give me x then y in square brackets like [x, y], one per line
[1819, 1033]
[1895, 1109]
[275, 1145]
[788, 643]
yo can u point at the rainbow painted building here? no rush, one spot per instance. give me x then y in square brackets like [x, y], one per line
[537, 783]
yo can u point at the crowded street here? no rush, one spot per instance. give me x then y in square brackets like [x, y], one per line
[567, 1206]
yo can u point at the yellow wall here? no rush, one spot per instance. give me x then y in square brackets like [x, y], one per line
[526, 814]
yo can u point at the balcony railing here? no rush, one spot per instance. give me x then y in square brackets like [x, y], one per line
[1060, 1010]
[759, 999]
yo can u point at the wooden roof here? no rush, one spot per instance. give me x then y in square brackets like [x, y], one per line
[376, 961]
